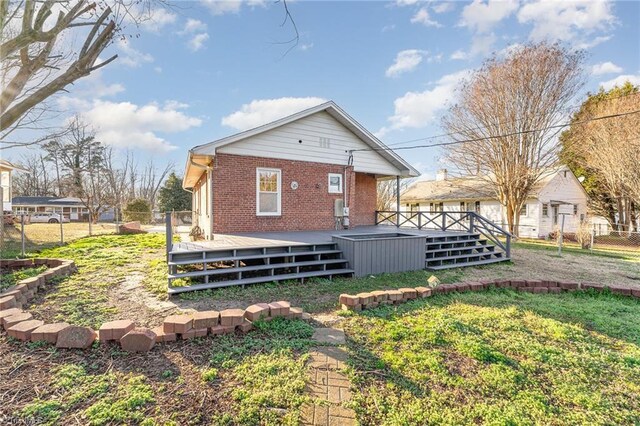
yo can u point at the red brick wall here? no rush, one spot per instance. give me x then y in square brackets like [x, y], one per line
[364, 206]
[310, 207]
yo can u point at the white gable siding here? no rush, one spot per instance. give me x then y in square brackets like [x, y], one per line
[324, 140]
[566, 189]
[530, 222]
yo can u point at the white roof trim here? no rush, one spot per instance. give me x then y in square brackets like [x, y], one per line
[336, 112]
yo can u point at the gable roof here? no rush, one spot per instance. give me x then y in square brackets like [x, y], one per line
[46, 201]
[7, 165]
[330, 108]
[465, 188]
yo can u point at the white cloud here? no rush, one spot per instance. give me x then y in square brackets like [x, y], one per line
[156, 19]
[605, 68]
[197, 32]
[564, 20]
[406, 2]
[131, 57]
[419, 109]
[459, 55]
[262, 111]
[86, 89]
[221, 7]
[196, 42]
[443, 7]
[193, 25]
[482, 16]
[124, 124]
[482, 44]
[305, 46]
[588, 44]
[422, 17]
[388, 28]
[158, 69]
[620, 80]
[406, 61]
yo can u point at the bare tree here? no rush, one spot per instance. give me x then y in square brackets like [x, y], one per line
[500, 106]
[609, 149]
[39, 57]
[150, 181]
[31, 67]
[80, 166]
[36, 179]
[386, 195]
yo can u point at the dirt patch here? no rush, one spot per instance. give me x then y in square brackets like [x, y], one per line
[131, 297]
[174, 370]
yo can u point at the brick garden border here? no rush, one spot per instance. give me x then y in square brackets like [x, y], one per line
[375, 298]
[22, 326]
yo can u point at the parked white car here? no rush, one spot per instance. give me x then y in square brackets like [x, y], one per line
[47, 217]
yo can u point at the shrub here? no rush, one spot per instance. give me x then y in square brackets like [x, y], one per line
[138, 209]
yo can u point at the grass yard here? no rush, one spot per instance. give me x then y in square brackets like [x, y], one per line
[109, 268]
[499, 358]
[255, 380]
[44, 235]
[495, 357]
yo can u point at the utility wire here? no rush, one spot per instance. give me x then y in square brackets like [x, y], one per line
[494, 125]
[523, 132]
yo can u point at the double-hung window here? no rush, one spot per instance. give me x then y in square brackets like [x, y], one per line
[268, 192]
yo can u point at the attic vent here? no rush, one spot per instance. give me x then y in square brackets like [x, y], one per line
[325, 143]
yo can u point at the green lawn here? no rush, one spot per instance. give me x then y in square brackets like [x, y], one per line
[258, 379]
[85, 298]
[500, 358]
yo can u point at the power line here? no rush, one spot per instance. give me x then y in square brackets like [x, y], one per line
[522, 132]
[494, 125]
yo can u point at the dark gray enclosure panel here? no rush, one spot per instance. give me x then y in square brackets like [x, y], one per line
[382, 253]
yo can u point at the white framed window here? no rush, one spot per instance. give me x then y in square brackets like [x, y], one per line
[523, 210]
[335, 183]
[268, 192]
[477, 207]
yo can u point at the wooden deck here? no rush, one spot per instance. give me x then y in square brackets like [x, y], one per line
[273, 239]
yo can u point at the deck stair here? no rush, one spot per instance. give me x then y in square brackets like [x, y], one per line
[220, 267]
[461, 249]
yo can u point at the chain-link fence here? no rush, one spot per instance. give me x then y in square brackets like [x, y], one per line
[589, 236]
[28, 232]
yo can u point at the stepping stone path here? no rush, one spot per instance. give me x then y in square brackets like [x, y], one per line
[328, 383]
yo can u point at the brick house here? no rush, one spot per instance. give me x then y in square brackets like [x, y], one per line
[288, 174]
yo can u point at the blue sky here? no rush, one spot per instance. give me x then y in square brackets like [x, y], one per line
[203, 70]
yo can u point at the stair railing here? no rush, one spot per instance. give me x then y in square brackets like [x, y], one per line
[467, 221]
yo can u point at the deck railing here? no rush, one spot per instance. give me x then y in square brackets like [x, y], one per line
[466, 221]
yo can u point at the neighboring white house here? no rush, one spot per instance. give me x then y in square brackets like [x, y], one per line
[539, 217]
[6, 192]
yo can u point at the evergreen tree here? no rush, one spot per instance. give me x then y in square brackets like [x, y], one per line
[172, 196]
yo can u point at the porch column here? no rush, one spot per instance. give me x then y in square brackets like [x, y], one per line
[398, 201]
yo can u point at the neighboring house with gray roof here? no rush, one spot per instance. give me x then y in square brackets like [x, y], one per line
[72, 208]
[539, 217]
